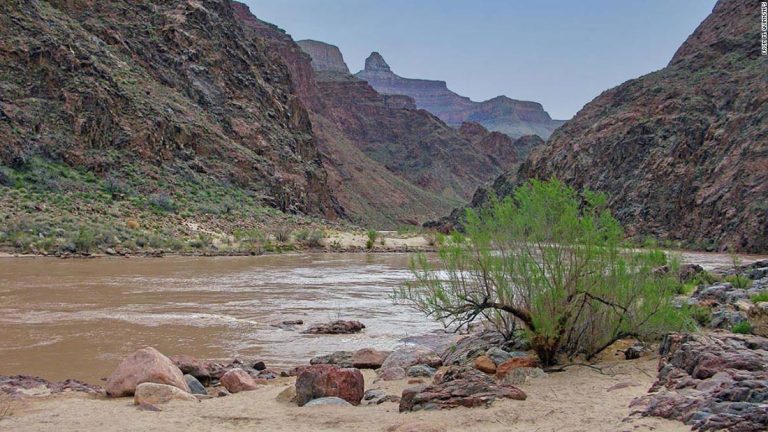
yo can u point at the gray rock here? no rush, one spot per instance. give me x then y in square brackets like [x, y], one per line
[195, 387]
[725, 318]
[498, 355]
[332, 400]
[421, 371]
[391, 373]
[408, 356]
[520, 375]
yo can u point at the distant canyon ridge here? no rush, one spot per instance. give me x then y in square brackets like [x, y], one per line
[512, 117]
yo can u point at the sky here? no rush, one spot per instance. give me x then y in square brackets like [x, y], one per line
[559, 53]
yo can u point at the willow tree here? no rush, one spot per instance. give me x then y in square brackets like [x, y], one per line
[554, 263]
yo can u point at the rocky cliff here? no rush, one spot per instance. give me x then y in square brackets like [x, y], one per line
[325, 57]
[682, 152]
[155, 94]
[512, 117]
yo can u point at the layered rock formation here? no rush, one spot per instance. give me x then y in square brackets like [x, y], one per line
[164, 88]
[512, 117]
[325, 57]
[506, 151]
[682, 152]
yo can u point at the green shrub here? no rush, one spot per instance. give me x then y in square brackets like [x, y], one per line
[372, 236]
[315, 238]
[743, 327]
[301, 235]
[762, 297]
[85, 240]
[701, 314]
[554, 262]
[282, 235]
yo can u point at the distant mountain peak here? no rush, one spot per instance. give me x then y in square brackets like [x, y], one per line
[376, 63]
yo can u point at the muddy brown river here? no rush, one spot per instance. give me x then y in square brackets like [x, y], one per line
[77, 318]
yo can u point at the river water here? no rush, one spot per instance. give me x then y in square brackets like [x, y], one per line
[77, 318]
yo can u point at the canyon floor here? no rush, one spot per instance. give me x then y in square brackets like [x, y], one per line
[578, 399]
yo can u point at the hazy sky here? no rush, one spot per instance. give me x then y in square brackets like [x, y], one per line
[559, 53]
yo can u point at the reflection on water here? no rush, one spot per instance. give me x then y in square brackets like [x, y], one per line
[78, 318]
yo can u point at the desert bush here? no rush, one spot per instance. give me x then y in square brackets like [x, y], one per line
[162, 202]
[116, 188]
[132, 224]
[282, 235]
[701, 314]
[84, 240]
[301, 235]
[372, 236]
[554, 262]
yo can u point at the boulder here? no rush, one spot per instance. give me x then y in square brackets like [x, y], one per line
[332, 400]
[422, 371]
[724, 317]
[338, 358]
[408, 356]
[515, 362]
[758, 318]
[368, 358]
[146, 365]
[498, 355]
[467, 349]
[237, 380]
[391, 373]
[154, 394]
[457, 386]
[192, 366]
[327, 380]
[484, 363]
[336, 327]
[714, 381]
[521, 375]
[195, 387]
[288, 395]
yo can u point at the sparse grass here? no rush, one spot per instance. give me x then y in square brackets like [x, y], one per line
[762, 297]
[701, 314]
[738, 281]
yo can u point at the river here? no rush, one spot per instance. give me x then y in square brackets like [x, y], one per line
[77, 318]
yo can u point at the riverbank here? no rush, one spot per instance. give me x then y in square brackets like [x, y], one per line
[579, 399]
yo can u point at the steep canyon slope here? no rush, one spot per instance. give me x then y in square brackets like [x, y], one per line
[159, 96]
[682, 152]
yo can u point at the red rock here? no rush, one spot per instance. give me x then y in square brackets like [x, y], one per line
[485, 364]
[237, 380]
[326, 381]
[516, 362]
[144, 365]
[192, 366]
[458, 386]
[368, 358]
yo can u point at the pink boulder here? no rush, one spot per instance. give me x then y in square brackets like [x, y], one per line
[146, 365]
[237, 380]
[319, 381]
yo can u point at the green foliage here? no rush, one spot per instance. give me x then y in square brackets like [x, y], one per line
[85, 240]
[552, 261]
[762, 297]
[743, 327]
[739, 281]
[701, 314]
[314, 239]
[372, 236]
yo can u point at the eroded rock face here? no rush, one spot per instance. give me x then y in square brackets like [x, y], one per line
[511, 117]
[320, 381]
[681, 152]
[144, 365]
[457, 386]
[711, 382]
[325, 57]
[159, 105]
